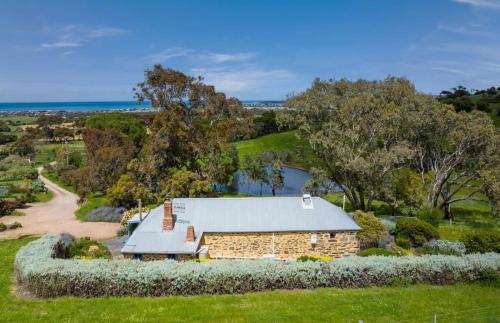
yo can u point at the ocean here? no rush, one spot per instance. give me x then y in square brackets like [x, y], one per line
[97, 106]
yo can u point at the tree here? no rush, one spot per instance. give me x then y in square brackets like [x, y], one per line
[191, 129]
[275, 161]
[451, 149]
[126, 123]
[24, 147]
[354, 131]
[255, 170]
[183, 183]
[373, 229]
[219, 163]
[63, 133]
[108, 152]
[127, 191]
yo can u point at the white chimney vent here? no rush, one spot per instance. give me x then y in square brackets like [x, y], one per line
[307, 202]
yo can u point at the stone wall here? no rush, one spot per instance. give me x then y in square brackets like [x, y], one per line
[287, 245]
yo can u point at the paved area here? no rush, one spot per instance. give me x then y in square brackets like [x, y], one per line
[57, 216]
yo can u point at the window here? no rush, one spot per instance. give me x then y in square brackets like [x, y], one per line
[137, 256]
[333, 236]
[171, 257]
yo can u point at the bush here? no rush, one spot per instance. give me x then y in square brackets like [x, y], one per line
[126, 192]
[3, 227]
[37, 186]
[403, 242]
[376, 252]
[122, 232]
[105, 214]
[430, 215]
[45, 276]
[6, 207]
[482, 241]
[442, 247]
[86, 248]
[14, 225]
[389, 225]
[5, 139]
[373, 229]
[416, 230]
[314, 258]
[129, 214]
[16, 168]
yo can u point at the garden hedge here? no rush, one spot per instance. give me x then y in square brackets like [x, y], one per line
[43, 275]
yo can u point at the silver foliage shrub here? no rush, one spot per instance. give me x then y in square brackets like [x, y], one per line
[45, 276]
[456, 248]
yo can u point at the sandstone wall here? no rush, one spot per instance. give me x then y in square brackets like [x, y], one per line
[287, 245]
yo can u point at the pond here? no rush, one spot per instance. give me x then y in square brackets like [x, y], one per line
[294, 179]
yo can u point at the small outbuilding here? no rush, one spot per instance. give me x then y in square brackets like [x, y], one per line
[260, 227]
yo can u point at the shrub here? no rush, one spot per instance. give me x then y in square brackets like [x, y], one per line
[442, 247]
[373, 229]
[389, 225]
[37, 186]
[122, 232]
[314, 258]
[105, 214]
[46, 276]
[129, 214]
[482, 241]
[5, 139]
[3, 227]
[87, 248]
[376, 252]
[126, 192]
[416, 230]
[430, 215]
[403, 242]
[6, 207]
[14, 225]
[16, 168]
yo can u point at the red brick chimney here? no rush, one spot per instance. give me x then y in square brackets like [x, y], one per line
[168, 219]
[190, 233]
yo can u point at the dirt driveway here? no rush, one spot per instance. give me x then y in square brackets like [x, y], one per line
[57, 216]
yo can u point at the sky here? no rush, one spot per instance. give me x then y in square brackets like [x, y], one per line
[252, 50]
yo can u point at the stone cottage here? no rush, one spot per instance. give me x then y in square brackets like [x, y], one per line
[260, 227]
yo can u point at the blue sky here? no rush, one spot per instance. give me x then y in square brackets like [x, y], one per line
[98, 50]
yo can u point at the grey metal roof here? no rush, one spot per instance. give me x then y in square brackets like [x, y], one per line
[247, 214]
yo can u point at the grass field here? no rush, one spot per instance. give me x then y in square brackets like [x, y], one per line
[460, 303]
[93, 201]
[283, 141]
[45, 152]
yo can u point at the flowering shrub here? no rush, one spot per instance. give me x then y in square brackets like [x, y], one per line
[443, 247]
[45, 276]
[129, 214]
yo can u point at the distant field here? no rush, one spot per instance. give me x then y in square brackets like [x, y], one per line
[459, 303]
[19, 120]
[45, 152]
[283, 141]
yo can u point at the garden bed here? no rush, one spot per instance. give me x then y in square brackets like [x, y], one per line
[39, 272]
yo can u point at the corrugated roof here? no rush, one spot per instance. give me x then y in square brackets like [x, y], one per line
[259, 214]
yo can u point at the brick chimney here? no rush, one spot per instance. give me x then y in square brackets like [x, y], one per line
[168, 219]
[190, 234]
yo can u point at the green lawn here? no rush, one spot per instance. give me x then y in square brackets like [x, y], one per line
[45, 152]
[461, 303]
[284, 141]
[93, 202]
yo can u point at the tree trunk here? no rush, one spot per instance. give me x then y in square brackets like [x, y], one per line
[448, 214]
[274, 191]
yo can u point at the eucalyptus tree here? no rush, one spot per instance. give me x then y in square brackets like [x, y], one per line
[452, 150]
[354, 129]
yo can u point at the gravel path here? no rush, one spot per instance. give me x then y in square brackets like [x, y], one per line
[57, 216]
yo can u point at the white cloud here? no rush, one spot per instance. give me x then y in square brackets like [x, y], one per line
[71, 36]
[238, 57]
[494, 4]
[69, 52]
[167, 54]
[243, 79]
[467, 30]
[105, 32]
[61, 44]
